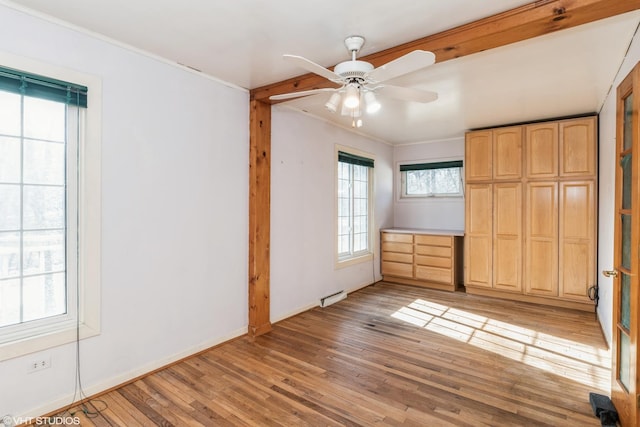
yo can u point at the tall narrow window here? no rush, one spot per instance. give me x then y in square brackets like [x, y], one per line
[40, 131]
[354, 205]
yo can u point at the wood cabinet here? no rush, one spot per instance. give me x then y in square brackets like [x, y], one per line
[429, 260]
[397, 255]
[507, 153]
[493, 154]
[541, 153]
[566, 149]
[530, 230]
[577, 238]
[478, 257]
[577, 151]
[507, 236]
[478, 155]
[542, 238]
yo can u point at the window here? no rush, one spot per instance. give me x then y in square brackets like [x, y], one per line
[354, 188]
[440, 179]
[41, 158]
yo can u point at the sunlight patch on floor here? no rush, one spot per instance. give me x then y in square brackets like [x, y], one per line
[560, 356]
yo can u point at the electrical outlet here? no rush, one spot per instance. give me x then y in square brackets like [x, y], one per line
[39, 364]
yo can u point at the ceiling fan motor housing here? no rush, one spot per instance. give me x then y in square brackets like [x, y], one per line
[353, 70]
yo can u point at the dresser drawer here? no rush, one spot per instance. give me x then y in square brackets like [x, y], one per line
[406, 248]
[425, 239]
[397, 237]
[433, 261]
[434, 274]
[397, 269]
[441, 251]
[397, 257]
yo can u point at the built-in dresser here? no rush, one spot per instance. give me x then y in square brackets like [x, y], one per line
[428, 258]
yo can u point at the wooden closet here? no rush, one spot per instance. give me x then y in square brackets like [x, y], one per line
[530, 212]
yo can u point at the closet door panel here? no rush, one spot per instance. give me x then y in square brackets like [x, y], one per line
[577, 235]
[541, 265]
[507, 153]
[578, 147]
[478, 235]
[541, 157]
[507, 237]
[478, 156]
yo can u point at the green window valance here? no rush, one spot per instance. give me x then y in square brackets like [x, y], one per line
[435, 165]
[354, 159]
[27, 84]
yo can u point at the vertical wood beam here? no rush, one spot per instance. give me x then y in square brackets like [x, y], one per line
[259, 217]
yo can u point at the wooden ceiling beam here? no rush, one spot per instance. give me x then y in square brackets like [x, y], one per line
[531, 20]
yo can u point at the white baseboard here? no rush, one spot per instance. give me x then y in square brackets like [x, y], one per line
[117, 380]
[315, 304]
[295, 312]
[358, 287]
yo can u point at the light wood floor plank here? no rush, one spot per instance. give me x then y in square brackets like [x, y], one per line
[388, 355]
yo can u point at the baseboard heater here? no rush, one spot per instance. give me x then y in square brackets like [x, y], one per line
[332, 299]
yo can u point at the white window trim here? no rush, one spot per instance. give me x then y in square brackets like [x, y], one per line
[87, 323]
[363, 257]
[399, 187]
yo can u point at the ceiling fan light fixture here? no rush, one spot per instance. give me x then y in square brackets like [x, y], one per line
[333, 102]
[373, 106]
[358, 80]
[352, 96]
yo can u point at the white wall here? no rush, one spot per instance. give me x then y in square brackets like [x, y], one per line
[174, 215]
[436, 213]
[606, 193]
[303, 211]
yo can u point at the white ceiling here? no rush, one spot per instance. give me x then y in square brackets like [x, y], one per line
[242, 42]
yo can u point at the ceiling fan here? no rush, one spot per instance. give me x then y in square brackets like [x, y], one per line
[359, 81]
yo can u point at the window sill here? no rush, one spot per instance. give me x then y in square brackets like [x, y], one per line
[430, 199]
[46, 341]
[354, 260]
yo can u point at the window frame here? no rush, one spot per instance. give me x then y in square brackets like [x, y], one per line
[402, 184]
[86, 322]
[361, 256]
[22, 329]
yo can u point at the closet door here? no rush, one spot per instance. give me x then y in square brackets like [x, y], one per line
[578, 147]
[577, 235]
[507, 236]
[541, 150]
[478, 235]
[507, 153]
[478, 156]
[541, 265]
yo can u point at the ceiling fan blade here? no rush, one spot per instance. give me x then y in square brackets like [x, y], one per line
[313, 67]
[302, 93]
[407, 94]
[412, 61]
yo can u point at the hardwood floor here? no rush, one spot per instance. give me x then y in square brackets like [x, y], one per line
[388, 355]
